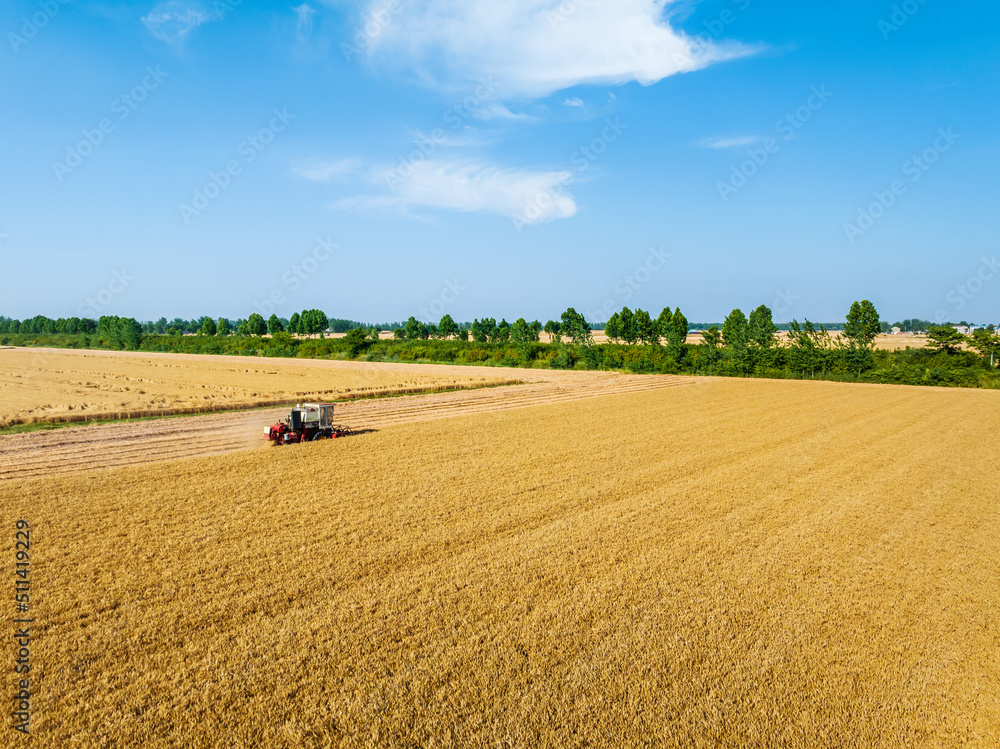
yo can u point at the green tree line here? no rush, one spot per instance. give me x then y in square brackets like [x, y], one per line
[744, 345]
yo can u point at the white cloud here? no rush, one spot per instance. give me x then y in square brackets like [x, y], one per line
[573, 102]
[744, 140]
[303, 24]
[536, 197]
[494, 110]
[172, 21]
[537, 47]
[327, 171]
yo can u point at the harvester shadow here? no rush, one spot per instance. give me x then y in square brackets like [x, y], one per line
[356, 432]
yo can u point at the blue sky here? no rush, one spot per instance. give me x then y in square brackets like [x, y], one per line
[385, 159]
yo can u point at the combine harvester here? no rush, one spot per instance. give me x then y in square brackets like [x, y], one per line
[307, 422]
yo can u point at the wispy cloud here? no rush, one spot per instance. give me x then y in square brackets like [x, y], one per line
[494, 110]
[743, 140]
[304, 22]
[573, 102]
[448, 44]
[172, 21]
[327, 171]
[466, 187]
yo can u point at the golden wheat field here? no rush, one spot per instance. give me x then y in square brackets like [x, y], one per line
[63, 385]
[738, 563]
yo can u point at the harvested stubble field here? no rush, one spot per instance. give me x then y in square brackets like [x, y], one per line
[739, 563]
[71, 450]
[52, 385]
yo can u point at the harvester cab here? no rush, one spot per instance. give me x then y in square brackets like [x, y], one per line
[305, 423]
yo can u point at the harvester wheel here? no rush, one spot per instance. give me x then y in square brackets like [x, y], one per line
[320, 436]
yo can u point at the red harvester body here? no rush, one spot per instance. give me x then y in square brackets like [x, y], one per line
[305, 423]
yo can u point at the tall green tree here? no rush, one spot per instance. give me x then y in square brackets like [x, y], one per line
[576, 327]
[679, 328]
[357, 342]
[712, 337]
[863, 324]
[520, 331]
[810, 348]
[503, 332]
[613, 328]
[415, 329]
[986, 343]
[208, 327]
[479, 333]
[293, 323]
[664, 323]
[312, 321]
[117, 332]
[274, 325]
[222, 328]
[490, 327]
[107, 330]
[554, 330]
[256, 325]
[944, 339]
[447, 327]
[862, 328]
[761, 328]
[628, 332]
[645, 328]
[735, 330]
[130, 333]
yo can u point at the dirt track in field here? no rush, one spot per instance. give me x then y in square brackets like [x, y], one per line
[71, 450]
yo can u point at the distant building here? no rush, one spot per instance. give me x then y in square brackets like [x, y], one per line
[896, 330]
[963, 329]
